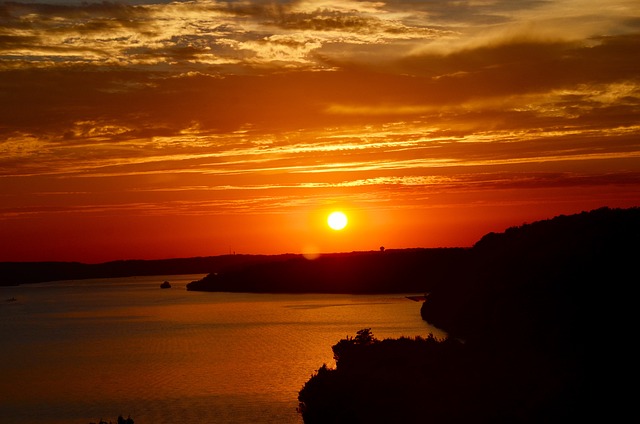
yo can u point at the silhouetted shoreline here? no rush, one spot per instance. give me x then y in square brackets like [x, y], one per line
[14, 273]
[371, 272]
[538, 317]
[551, 246]
[415, 270]
[540, 331]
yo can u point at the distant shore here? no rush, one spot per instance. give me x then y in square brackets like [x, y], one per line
[15, 273]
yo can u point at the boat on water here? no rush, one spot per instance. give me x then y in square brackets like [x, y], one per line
[165, 285]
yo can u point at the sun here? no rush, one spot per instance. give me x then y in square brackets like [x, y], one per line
[337, 220]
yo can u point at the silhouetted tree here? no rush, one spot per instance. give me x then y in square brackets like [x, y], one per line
[121, 420]
[364, 337]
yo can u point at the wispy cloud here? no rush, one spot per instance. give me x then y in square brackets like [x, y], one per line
[240, 107]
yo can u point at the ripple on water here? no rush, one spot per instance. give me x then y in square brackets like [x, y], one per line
[85, 351]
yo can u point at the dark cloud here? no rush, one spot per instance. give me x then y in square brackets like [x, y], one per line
[446, 13]
[517, 66]
[47, 11]
[283, 15]
[9, 42]
[60, 33]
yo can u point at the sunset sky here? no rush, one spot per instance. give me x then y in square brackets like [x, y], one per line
[154, 129]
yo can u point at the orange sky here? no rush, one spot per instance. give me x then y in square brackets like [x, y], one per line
[153, 129]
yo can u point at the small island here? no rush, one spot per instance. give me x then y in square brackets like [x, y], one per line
[165, 285]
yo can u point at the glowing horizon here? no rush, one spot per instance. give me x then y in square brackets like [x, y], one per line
[151, 129]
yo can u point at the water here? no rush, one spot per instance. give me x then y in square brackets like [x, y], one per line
[77, 351]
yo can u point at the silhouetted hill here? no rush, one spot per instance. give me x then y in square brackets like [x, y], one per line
[540, 331]
[549, 248]
[399, 271]
[522, 281]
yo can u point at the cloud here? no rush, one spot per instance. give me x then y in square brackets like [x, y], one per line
[194, 34]
[211, 99]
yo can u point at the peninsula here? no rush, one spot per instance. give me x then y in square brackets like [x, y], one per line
[540, 331]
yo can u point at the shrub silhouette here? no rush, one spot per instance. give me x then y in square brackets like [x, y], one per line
[121, 420]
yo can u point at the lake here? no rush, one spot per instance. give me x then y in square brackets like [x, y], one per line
[78, 351]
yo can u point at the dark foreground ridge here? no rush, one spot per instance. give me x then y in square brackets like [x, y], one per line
[541, 329]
